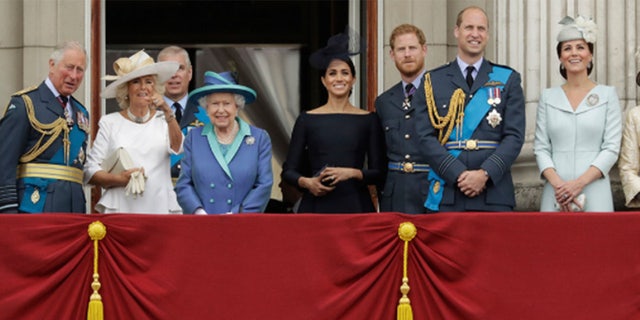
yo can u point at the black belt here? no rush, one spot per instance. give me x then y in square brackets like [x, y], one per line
[408, 167]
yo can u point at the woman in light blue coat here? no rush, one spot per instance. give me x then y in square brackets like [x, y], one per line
[226, 166]
[578, 128]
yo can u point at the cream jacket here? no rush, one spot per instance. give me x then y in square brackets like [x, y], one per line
[629, 163]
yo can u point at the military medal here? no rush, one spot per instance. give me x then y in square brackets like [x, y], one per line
[497, 99]
[35, 196]
[81, 155]
[69, 118]
[490, 101]
[494, 118]
[593, 99]
[406, 104]
[436, 187]
[83, 122]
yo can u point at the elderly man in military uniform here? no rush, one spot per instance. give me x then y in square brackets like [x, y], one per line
[475, 125]
[44, 132]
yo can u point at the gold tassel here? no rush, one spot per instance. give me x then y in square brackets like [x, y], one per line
[97, 231]
[407, 231]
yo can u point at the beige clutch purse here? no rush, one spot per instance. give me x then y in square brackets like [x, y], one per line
[120, 161]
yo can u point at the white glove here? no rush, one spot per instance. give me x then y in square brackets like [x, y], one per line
[136, 184]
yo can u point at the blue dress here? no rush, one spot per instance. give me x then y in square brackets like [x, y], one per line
[337, 140]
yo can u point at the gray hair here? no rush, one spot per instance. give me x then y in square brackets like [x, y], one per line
[174, 50]
[60, 49]
[240, 101]
[122, 92]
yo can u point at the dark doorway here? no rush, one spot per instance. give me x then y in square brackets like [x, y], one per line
[189, 23]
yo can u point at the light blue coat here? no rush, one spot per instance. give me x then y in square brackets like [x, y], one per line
[571, 141]
[239, 182]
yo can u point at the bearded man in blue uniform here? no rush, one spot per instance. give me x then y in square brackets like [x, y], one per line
[475, 125]
[44, 132]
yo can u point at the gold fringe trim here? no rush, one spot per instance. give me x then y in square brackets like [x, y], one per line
[97, 232]
[406, 231]
[454, 115]
[52, 129]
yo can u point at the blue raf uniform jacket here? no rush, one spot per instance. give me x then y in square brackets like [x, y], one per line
[509, 133]
[19, 137]
[239, 182]
[402, 192]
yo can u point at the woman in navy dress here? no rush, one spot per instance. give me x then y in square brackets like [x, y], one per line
[341, 144]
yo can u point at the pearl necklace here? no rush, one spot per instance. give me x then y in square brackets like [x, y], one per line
[230, 137]
[137, 119]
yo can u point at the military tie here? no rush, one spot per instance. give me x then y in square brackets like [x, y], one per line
[409, 90]
[63, 101]
[178, 109]
[470, 76]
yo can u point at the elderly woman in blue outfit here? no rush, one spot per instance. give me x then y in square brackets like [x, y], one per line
[226, 166]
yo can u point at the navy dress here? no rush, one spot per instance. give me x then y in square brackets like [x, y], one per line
[337, 140]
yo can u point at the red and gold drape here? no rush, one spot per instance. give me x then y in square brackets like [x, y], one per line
[460, 266]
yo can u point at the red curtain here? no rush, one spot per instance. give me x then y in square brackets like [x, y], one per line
[461, 266]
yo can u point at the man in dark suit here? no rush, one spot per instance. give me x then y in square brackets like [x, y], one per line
[406, 182]
[475, 126]
[176, 95]
[44, 132]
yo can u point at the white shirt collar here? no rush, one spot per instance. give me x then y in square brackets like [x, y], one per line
[463, 66]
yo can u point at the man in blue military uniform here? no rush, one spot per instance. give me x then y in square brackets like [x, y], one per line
[176, 93]
[475, 125]
[406, 184]
[44, 132]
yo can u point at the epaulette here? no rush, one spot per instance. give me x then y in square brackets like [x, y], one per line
[23, 91]
[500, 65]
[440, 67]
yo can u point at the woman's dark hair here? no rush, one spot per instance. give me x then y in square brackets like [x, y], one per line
[346, 60]
[563, 71]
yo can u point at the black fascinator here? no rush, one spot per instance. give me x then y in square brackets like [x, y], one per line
[339, 46]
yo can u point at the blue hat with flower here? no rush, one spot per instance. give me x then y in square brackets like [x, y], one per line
[222, 82]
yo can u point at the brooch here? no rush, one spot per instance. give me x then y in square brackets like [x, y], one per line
[593, 99]
[494, 118]
[250, 140]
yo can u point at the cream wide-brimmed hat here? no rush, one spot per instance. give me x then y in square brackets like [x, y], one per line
[138, 65]
[578, 28]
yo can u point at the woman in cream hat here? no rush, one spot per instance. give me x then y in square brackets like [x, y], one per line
[226, 166]
[578, 128]
[629, 163]
[139, 140]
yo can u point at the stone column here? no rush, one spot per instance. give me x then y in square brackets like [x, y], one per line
[33, 29]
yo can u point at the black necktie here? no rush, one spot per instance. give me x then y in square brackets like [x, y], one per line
[470, 76]
[178, 108]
